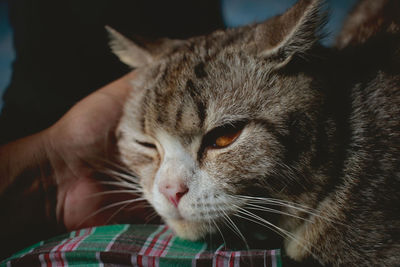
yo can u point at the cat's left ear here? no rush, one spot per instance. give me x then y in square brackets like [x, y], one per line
[294, 32]
[127, 51]
[135, 55]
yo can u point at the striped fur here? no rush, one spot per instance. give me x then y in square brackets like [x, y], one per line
[319, 144]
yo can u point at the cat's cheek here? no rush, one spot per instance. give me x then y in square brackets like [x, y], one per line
[146, 175]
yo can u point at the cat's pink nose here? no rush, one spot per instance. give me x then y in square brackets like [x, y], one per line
[173, 191]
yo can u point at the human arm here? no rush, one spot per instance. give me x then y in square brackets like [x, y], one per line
[46, 178]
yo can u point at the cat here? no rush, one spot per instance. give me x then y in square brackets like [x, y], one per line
[263, 125]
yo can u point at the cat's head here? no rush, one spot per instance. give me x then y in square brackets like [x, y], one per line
[219, 118]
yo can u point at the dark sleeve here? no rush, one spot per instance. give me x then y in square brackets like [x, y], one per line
[62, 53]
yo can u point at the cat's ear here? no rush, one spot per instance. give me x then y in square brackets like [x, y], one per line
[293, 32]
[127, 51]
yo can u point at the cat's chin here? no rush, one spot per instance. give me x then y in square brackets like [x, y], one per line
[189, 230]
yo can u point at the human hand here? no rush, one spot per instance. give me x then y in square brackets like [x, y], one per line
[52, 181]
[81, 141]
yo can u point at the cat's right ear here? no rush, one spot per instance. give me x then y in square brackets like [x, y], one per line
[293, 33]
[127, 51]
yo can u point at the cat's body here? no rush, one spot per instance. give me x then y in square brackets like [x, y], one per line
[262, 117]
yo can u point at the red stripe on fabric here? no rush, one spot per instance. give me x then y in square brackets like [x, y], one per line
[232, 259]
[61, 246]
[53, 258]
[165, 246]
[160, 252]
[216, 256]
[80, 239]
[154, 241]
[56, 251]
[139, 260]
[67, 245]
[47, 259]
[223, 257]
[61, 259]
[58, 257]
[217, 259]
[150, 248]
[73, 242]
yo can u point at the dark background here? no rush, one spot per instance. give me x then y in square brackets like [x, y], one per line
[61, 54]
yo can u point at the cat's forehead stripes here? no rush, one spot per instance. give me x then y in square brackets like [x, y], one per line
[178, 101]
[201, 103]
[205, 96]
[199, 71]
[194, 94]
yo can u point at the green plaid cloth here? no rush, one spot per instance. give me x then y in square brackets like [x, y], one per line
[134, 245]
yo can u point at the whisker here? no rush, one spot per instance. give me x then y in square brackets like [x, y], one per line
[261, 208]
[246, 212]
[118, 211]
[109, 207]
[287, 204]
[144, 204]
[121, 184]
[151, 216]
[274, 200]
[133, 192]
[118, 166]
[210, 229]
[219, 230]
[257, 222]
[260, 221]
[122, 176]
[235, 229]
[291, 173]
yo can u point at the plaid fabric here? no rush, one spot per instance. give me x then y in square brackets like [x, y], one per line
[135, 245]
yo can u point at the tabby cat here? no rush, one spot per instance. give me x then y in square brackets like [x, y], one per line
[263, 125]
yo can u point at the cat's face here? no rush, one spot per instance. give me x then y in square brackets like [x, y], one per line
[212, 123]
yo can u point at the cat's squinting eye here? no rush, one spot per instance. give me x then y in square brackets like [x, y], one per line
[146, 144]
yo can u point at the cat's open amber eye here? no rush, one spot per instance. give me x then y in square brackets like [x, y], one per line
[223, 136]
[227, 139]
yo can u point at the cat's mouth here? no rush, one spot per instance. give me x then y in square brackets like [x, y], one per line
[194, 221]
[196, 217]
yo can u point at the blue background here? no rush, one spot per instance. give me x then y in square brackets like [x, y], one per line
[6, 49]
